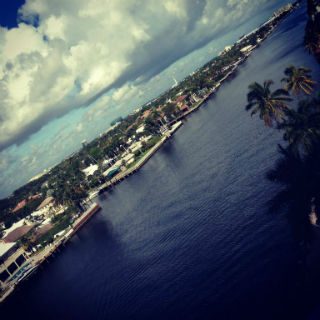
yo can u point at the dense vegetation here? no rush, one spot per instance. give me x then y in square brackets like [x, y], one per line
[295, 111]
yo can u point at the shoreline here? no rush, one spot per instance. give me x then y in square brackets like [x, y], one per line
[141, 162]
[36, 260]
[123, 175]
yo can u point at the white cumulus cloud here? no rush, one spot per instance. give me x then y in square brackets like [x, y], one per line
[65, 53]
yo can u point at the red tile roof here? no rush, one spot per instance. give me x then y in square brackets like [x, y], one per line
[17, 233]
[34, 197]
[146, 114]
[43, 230]
[181, 98]
[183, 107]
[45, 202]
[20, 205]
[24, 202]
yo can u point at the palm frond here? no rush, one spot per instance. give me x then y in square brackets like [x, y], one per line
[249, 106]
[280, 92]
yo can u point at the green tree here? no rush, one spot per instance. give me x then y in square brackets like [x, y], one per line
[302, 127]
[270, 105]
[298, 80]
[170, 111]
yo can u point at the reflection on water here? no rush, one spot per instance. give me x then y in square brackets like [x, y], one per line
[295, 196]
[300, 178]
[298, 198]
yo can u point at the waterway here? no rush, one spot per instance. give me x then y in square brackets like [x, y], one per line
[190, 236]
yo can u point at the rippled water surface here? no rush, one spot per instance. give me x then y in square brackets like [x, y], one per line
[190, 235]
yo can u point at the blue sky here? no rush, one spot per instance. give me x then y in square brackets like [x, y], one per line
[63, 80]
[8, 12]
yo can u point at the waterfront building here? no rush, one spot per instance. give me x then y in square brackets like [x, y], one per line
[109, 173]
[89, 171]
[247, 49]
[163, 129]
[225, 50]
[146, 114]
[47, 202]
[146, 138]
[14, 226]
[12, 259]
[195, 98]
[180, 100]
[17, 233]
[45, 227]
[183, 108]
[107, 162]
[130, 161]
[24, 202]
[46, 208]
[118, 163]
[19, 205]
[136, 146]
[128, 158]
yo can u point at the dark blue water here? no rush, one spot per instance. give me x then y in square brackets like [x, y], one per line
[190, 236]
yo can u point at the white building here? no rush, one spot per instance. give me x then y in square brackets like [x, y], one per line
[136, 146]
[195, 98]
[146, 139]
[111, 169]
[107, 162]
[247, 49]
[128, 158]
[47, 207]
[89, 171]
[118, 163]
[14, 226]
[227, 48]
[12, 259]
[140, 129]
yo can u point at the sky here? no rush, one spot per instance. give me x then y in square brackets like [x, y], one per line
[68, 68]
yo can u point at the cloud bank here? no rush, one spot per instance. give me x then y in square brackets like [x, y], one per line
[65, 54]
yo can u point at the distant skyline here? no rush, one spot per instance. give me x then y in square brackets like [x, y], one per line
[69, 68]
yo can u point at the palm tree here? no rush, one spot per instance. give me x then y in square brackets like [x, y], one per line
[298, 80]
[302, 127]
[270, 105]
